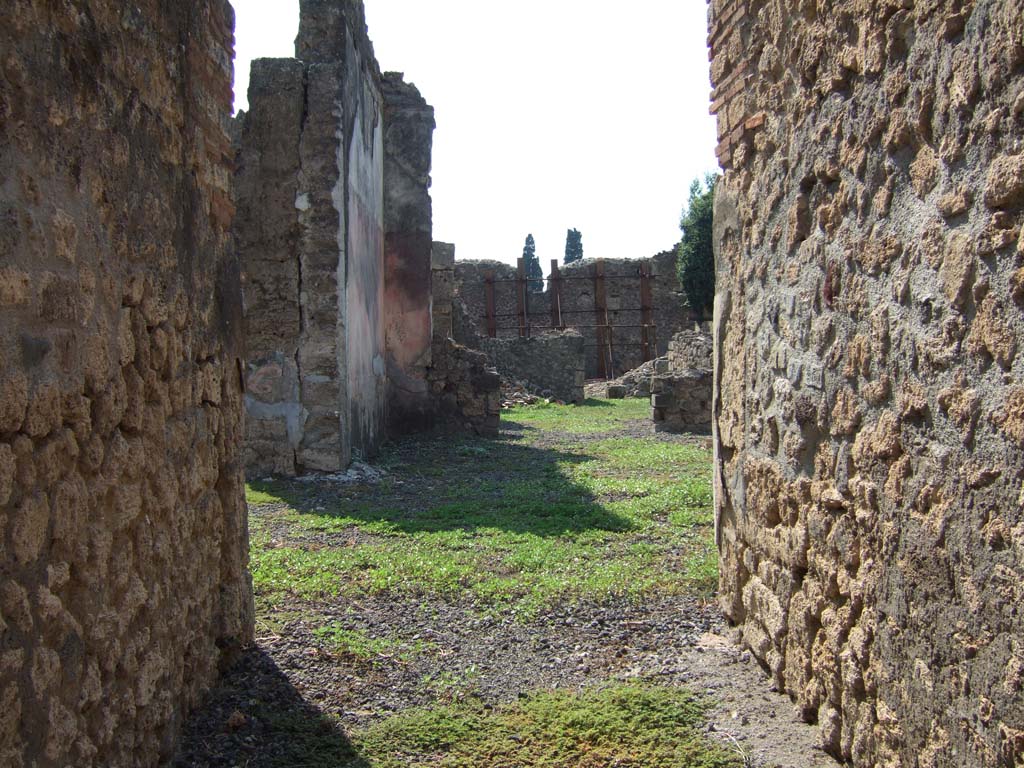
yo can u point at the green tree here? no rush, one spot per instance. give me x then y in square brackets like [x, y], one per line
[534, 274]
[573, 246]
[695, 257]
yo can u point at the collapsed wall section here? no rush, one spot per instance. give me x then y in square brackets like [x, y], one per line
[464, 387]
[123, 536]
[868, 417]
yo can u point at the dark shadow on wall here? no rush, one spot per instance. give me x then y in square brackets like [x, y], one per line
[256, 718]
[439, 484]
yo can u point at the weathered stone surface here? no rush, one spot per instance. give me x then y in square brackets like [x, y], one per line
[465, 388]
[868, 463]
[408, 247]
[310, 235]
[335, 240]
[549, 365]
[680, 388]
[123, 536]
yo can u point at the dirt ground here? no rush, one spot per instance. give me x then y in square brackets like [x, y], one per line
[288, 688]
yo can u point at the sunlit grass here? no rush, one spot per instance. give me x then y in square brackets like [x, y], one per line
[510, 527]
[617, 725]
[591, 416]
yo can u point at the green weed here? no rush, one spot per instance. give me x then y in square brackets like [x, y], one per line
[514, 527]
[362, 646]
[622, 725]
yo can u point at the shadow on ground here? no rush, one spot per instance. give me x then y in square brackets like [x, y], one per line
[255, 717]
[440, 484]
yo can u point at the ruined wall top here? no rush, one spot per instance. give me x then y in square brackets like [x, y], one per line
[322, 31]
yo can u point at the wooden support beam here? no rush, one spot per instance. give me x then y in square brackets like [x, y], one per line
[492, 320]
[605, 367]
[648, 347]
[555, 292]
[521, 299]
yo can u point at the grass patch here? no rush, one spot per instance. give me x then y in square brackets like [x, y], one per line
[263, 493]
[643, 726]
[587, 418]
[511, 525]
[364, 647]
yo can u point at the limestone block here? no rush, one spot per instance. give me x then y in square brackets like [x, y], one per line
[1004, 185]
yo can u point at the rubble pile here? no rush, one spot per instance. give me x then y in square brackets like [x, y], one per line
[636, 383]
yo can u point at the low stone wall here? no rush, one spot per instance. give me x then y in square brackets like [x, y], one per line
[682, 384]
[691, 349]
[681, 400]
[123, 540]
[550, 365]
[466, 389]
[869, 412]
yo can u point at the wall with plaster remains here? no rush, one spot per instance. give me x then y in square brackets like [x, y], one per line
[123, 536]
[334, 234]
[408, 247]
[310, 192]
[868, 414]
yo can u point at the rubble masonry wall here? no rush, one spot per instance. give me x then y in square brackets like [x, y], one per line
[123, 536]
[550, 365]
[310, 233]
[408, 245]
[868, 412]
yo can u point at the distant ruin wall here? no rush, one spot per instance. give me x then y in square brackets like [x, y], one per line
[311, 243]
[124, 545]
[669, 307]
[869, 413]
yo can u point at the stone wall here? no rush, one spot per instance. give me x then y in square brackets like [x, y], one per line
[310, 233]
[465, 389]
[408, 246]
[442, 290]
[691, 349]
[669, 309]
[681, 386]
[550, 365]
[124, 545]
[868, 415]
[681, 399]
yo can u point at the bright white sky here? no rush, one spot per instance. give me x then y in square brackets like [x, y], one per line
[550, 114]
